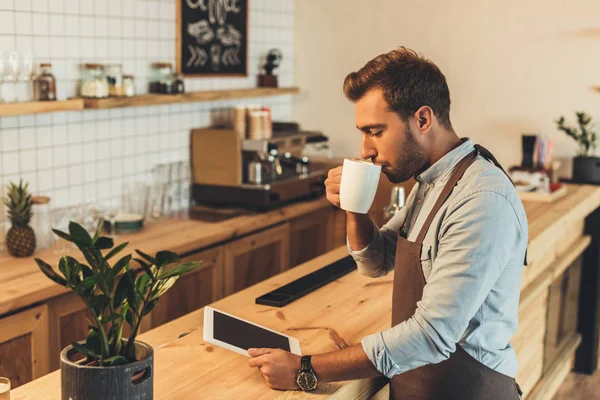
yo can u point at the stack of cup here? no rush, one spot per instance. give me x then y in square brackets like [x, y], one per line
[255, 130]
[239, 121]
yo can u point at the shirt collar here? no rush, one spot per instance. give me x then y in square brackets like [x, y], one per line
[446, 164]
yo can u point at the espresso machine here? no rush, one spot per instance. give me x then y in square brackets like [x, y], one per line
[254, 173]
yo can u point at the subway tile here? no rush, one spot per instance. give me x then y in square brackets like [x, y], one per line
[60, 156]
[75, 175]
[45, 179]
[40, 24]
[57, 49]
[89, 172]
[24, 43]
[115, 8]
[140, 9]
[41, 46]
[44, 136]
[44, 158]
[128, 8]
[86, 26]
[57, 25]
[23, 23]
[114, 27]
[10, 162]
[101, 27]
[27, 138]
[61, 177]
[20, 5]
[72, 48]
[40, 6]
[100, 7]
[75, 194]
[71, 25]
[59, 135]
[7, 22]
[7, 5]
[86, 7]
[72, 7]
[58, 6]
[10, 139]
[28, 160]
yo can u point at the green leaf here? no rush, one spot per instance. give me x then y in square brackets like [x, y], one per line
[104, 243]
[89, 282]
[166, 258]
[63, 235]
[148, 268]
[93, 342]
[123, 287]
[86, 271]
[112, 317]
[79, 234]
[149, 307]
[118, 267]
[141, 283]
[146, 257]
[99, 303]
[71, 269]
[130, 317]
[179, 270]
[163, 286]
[84, 350]
[50, 273]
[115, 251]
[98, 229]
[114, 361]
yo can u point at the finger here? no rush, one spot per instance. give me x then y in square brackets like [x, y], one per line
[258, 352]
[335, 172]
[334, 188]
[258, 361]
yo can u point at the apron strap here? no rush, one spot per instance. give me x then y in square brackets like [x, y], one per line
[458, 172]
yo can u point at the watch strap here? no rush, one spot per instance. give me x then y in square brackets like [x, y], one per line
[305, 364]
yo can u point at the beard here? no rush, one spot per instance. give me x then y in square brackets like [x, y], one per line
[410, 161]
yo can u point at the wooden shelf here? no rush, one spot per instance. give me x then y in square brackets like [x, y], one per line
[38, 107]
[209, 95]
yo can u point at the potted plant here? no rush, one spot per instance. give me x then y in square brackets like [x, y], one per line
[113, 366]
[586, 167]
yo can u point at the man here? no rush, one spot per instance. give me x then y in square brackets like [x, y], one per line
[457, 249]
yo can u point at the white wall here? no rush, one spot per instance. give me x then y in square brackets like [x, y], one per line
[84, 156]
[512, 66]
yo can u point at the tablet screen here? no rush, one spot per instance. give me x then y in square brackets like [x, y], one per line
[246, 336]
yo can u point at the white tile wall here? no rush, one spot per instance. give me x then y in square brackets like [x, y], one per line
[84, 156]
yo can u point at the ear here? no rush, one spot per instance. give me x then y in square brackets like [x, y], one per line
[424, 119]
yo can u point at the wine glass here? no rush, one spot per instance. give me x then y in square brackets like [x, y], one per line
[2, 67]
[11, 71]
[25, 76]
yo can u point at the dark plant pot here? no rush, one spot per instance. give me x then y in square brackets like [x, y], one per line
[586, 170]
[133, 381]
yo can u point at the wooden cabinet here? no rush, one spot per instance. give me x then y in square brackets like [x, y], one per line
[192, 291]
[256, 257]
[308, 236]
[336, 230]
[24, 345]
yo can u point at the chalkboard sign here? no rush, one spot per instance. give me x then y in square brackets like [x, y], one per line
[212, 37]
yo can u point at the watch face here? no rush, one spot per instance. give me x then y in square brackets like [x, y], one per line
[307, 381]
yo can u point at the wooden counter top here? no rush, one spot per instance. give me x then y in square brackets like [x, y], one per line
[337, 315]
[23, 284]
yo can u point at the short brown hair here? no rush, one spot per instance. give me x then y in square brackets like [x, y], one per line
[408, 80]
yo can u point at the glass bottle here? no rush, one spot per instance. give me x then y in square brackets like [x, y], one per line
[94, 84]
[128, 86]
[41, 222]
[114, 75]
[45, 84]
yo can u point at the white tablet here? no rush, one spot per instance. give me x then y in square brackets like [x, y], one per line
[236, 334]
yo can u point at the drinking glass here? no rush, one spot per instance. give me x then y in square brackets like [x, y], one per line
[2, 68]
[134, 198]
[25, 77]
[4, 389]
[11, 71]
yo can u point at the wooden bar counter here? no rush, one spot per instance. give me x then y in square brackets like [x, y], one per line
[343, 312]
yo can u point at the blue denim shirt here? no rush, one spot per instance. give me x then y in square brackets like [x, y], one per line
[472, 259]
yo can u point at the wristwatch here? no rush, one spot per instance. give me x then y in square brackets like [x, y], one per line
[307, 380]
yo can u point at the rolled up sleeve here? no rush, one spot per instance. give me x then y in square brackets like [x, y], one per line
[475, 238]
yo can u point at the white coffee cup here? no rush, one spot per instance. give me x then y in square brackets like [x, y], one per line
[359, 185]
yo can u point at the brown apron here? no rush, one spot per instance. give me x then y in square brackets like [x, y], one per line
[461, 376]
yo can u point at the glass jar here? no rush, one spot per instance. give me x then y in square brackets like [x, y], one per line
[94, 84]
[178, 84]
[128, 86]
[114, 75]
[41, 222]
[45, 84]
[162, 80]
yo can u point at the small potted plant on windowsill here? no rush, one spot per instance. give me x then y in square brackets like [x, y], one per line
[110, 366]
[586, 167]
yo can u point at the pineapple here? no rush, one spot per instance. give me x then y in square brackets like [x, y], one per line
[20, 239]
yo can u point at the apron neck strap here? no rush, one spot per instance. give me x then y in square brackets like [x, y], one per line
[458, 172]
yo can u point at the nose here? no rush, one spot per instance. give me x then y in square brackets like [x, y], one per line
[367, 149]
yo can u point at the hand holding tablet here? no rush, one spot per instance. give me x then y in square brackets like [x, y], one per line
[238, 335]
